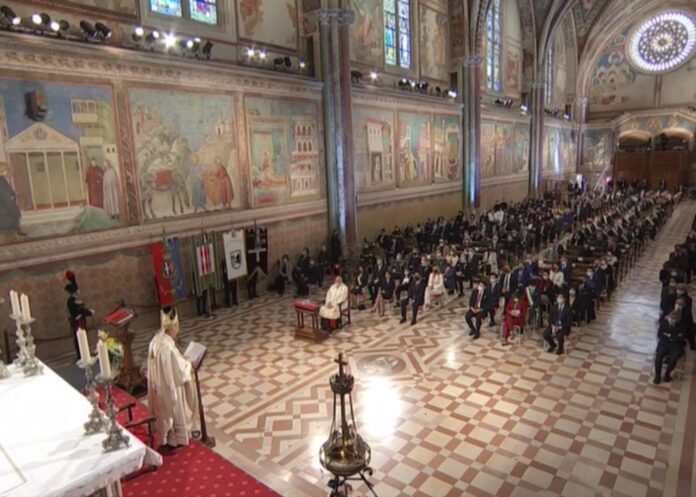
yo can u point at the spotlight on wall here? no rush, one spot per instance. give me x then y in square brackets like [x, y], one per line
[423, 87]
[438, 91]
[60, 27]
[412, 84]
[524, 109]
[566, 116]
[138, 34]
[250, 52]
[356, 76]
[41, 21]
[303, 64]
[451, 93]
[374, 75]
[152, 37]
[207, 49]
[88, 29]
[403, 84]
[169, 40]
[9, 15]
[262, 54]
[103, 30]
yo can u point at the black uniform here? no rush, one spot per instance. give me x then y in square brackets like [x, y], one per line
[670, 347]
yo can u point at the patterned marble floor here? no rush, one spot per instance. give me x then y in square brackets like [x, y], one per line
[448, 417]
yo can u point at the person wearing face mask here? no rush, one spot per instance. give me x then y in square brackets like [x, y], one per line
[670, 346]
[494, 292]
[684, 305]
[577, 310]
[477, 310]
[560, 320]
[515, 313]
[435, 287]
[668, 298]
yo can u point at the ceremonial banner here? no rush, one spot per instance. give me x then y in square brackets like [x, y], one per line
[257, 251]
[205, 273]
[166, 262]
[235, 254]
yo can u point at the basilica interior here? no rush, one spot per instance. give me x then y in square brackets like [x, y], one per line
[159, 153]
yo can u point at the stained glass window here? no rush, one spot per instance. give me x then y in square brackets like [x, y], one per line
[397, 32]
[493, 47]
[166, 7]
[204, 11]
[548, 80]
[663, 42]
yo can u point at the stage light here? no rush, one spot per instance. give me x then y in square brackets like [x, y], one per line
[190, 44]
[60, 27]
[208, 49]
[36, 19]
[103, 29]
[287, 62]
[262, 54]
[374, 75]
[169, 40]
[438, 91]
[138, 33]
[451, 93]
[303, 64]
[524, 108]
[152, 37]
[10, 15]
[89, 30]
[278, 62]
[356, 76]
[250, 52]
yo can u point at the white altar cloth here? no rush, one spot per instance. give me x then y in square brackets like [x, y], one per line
[43, 449]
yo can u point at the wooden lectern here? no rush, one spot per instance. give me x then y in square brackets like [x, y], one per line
[129, 376]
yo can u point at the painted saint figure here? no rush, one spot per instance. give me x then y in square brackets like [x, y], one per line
[9, 211]
[94, 177]
[112, 189]
[195, 184]
[224, 183]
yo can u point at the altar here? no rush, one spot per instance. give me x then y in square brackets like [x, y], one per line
[43, 449]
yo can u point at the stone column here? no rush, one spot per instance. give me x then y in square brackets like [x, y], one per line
[334, 48]
[536, 139]
[581, 116]
[470, 91]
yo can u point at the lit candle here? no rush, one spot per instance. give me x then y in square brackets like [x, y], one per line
[26, 313]
[104, 363]
[14, 298]
[83, 344]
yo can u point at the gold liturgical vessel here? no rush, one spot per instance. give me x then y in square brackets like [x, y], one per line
[345, 454]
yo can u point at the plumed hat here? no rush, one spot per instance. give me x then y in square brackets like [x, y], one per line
[71, 287]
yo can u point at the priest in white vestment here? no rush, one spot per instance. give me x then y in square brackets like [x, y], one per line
[337, 295]
[171, 385]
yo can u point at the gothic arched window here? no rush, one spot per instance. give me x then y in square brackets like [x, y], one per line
[548, 77]
[494, 42]
[397, 33]
[197, 10]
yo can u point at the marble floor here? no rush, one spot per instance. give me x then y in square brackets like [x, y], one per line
[448, 417]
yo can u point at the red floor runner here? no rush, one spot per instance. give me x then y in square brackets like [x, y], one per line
[193, 471]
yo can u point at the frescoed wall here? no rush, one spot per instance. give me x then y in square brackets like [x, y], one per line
[284, 150]
[366, 34]
[512, 49]
[447, 138]
[59, 162]
[414, 148]
[272, 22]
[596, 149]
[559, 150]
[434, 41]
[373, 137]
[186, 153]
[504, 148]
[120, 6]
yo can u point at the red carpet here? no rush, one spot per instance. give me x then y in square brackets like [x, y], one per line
[193, 471]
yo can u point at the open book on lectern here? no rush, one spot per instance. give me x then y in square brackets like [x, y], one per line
[195, 352]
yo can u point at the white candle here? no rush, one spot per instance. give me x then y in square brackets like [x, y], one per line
[14, 299]
[104, 363]
[83, 344]
[26, 312]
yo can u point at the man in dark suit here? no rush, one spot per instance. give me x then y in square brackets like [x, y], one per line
[477, 309]
[494, 291]
[684, 304]
[560, 320]
[508, 282]
[416, 296]
[668, 298]
[670, 346]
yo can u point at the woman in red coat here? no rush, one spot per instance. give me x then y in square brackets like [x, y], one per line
[515, 312]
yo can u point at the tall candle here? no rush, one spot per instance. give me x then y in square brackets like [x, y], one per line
[83, 344]
[26, 313]
[14, 299]
[104, 363]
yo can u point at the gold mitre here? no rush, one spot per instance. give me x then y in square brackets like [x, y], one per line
[166, 319]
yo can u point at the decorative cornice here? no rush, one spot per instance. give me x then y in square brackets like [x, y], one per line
[32, 253]
[400, 194]
[337, 16]
[404, 100]
[626, 117]
[68, 58]
[472, 60]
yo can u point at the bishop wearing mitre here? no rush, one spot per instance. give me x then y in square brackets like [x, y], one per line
[171, 385]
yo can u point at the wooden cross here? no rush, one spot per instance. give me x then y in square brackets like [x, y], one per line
[340, 363]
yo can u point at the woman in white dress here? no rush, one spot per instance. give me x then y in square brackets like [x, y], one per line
[436, 286]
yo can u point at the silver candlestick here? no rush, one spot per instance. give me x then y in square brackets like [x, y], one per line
[21, 340]
[32, 365]
[115, 438]
[96, 422]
